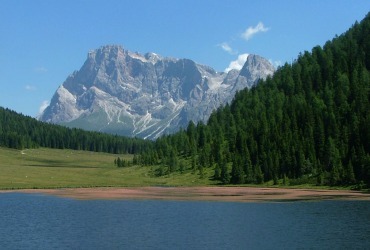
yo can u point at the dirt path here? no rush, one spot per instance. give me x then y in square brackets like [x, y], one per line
[232, 194]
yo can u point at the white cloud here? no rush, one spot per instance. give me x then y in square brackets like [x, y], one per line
[251, 31]
[30, 87]
[238, 63]
[276, 63]
[226, 47]
[41, 69]
[43, 106]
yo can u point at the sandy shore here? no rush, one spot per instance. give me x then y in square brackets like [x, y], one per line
[231, 194]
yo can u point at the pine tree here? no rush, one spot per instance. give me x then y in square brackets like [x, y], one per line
[217, 174]
[258, 174]
[349, 174]
[224, 175]
[237, 173]
[119, 162]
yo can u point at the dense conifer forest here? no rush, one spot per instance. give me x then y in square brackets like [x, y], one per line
[19, 131]
[309, 123]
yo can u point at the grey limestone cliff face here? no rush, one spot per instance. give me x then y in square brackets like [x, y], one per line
[126, 93]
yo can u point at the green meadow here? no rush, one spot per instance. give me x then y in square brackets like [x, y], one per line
[55, 168]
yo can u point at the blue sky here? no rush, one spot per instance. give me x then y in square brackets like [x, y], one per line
[43, 41]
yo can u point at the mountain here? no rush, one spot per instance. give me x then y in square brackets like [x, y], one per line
[126, 93]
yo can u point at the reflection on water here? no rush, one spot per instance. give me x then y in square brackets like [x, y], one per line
[47, 222]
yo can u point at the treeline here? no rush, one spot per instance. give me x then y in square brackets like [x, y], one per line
[19, 131]
[121, 163]
[309, 123]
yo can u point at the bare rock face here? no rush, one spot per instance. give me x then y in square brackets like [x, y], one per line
[126, 93]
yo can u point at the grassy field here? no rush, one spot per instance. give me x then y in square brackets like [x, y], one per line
[53, 168]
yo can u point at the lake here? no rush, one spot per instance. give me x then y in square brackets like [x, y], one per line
[32, 221]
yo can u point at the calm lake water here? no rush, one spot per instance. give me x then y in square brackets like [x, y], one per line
[47, 222]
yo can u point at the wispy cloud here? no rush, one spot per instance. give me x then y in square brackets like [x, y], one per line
[276, 63]
[29, 87]
[251, 31]
[40, 69]
[242, 58]
[238, 63]
[43, 106]
[226, 47]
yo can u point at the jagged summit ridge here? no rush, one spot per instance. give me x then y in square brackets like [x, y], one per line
[127, 93]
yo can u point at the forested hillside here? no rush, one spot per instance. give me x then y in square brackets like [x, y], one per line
[19, 131]
[309, 123]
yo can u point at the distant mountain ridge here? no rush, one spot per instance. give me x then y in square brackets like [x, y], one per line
[126, 93]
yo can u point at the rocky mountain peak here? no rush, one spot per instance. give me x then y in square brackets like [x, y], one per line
[256, 67]
[123, 92]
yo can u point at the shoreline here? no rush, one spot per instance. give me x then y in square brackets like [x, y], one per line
[203, 193]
